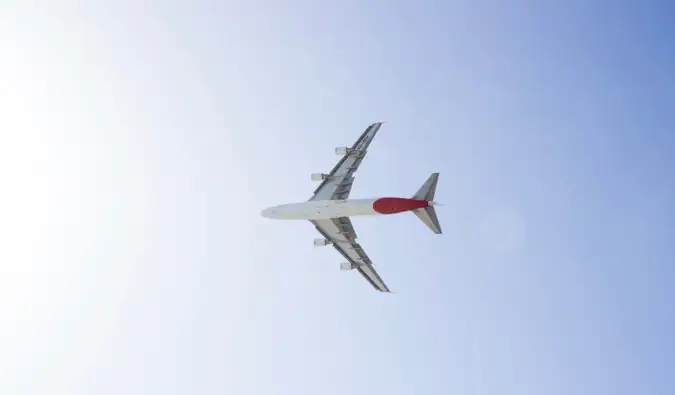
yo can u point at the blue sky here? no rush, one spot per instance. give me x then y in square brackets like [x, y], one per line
[139, 144]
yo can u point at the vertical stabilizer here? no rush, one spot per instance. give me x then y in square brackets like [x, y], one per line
[428, 214]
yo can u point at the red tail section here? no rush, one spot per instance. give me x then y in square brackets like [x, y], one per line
[421, 204]
[390, 205]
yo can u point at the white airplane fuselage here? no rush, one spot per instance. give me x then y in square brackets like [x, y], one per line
[328, 209]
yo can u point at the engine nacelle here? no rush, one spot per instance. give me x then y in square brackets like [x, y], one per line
[348, 151]
[319, 176]
[347, 266]
[322, 242]
[342, 150]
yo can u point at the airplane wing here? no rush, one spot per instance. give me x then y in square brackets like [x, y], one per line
[340, 232]
[338, 183]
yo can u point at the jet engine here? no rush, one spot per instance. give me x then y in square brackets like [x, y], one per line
[319, 176]
[347, 266]
[342, 150]
[348, 151]
[322, 242]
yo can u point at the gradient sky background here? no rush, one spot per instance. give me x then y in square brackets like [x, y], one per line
[138, 145]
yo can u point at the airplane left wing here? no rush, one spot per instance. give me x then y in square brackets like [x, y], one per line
[340, 233]
[337, 184]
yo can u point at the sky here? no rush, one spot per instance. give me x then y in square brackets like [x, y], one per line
[139, 142]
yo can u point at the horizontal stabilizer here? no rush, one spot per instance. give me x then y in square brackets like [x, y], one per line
[428, 214]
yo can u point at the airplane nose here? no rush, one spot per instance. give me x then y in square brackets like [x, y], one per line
[268, 212]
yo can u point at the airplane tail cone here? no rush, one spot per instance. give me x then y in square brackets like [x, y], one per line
[428, 214]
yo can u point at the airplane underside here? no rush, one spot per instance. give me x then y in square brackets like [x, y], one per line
[330, 208]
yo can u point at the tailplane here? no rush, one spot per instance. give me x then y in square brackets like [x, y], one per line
[428, 214]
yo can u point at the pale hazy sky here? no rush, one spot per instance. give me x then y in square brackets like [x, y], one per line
[138, 145]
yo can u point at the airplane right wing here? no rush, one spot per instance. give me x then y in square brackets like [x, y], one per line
[341, 234]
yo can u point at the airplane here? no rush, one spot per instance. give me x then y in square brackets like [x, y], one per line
[329, 208]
